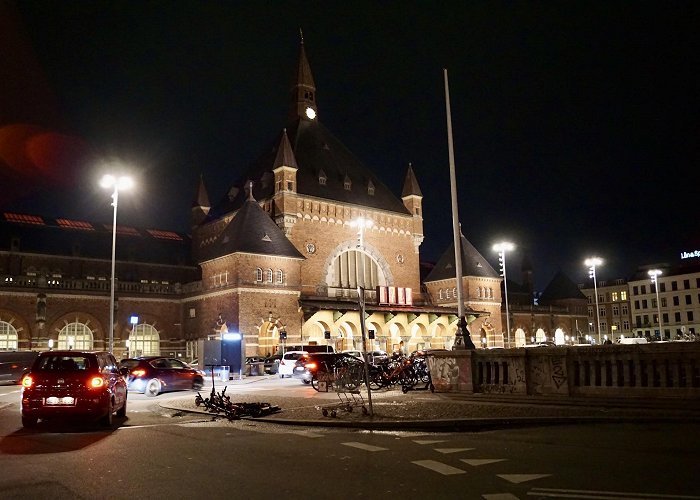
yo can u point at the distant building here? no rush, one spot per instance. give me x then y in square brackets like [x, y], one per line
[679, 300]
[613, 309]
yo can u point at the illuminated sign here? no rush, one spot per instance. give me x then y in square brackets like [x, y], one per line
[690, 255]
[395, 295]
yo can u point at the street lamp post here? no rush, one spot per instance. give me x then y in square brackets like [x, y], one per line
[654, 274]
[120, 183]
[592, 263]
[502, 248]
[362, 223]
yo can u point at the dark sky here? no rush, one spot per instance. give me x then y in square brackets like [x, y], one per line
[576, 124]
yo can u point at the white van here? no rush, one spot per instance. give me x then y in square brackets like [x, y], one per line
[632, 340]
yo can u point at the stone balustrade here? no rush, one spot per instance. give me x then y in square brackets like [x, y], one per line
[657, 370]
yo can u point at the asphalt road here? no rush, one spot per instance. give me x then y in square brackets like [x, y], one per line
[160, 453]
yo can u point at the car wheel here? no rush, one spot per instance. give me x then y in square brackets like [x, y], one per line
[197, 384]
[121, 412]
[306, 382]
[152, 387]
[29, 422]
[107, 420]
[280, 375]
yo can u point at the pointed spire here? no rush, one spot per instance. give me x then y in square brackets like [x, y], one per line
[303, 89]
[250, 191]
[285, 155]
[201, 198]
[410, 184]
[200, 204]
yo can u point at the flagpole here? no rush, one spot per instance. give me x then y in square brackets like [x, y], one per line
[462, 338]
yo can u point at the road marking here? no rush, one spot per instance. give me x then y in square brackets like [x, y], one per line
[453, 450]
[500, 496]
[605, 495]
[429, 441]
[475, 462]
[521, 478]
[308, 434]
[363, 446]
[439, 467]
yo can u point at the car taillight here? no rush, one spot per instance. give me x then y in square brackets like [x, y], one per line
[27, 381]
[138, 373]
[96, 382]
[311, 366]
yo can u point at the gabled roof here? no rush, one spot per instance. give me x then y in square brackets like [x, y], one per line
[88, 239]
[250, 231]
[473, 264]
[560, 288]
[317, 152]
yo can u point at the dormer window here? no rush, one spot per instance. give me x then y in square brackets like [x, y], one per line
[347, 183]
[370, 188]
[322, 178]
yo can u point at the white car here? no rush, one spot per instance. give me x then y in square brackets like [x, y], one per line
[286, 367]
[357, 354]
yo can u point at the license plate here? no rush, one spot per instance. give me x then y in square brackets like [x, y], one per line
[56, 401]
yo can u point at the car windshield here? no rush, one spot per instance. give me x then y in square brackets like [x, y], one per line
[294, 355]
[62, 363]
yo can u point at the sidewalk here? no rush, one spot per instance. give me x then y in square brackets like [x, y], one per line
[423, 410]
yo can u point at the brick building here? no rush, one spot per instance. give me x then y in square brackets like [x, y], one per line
[289, 249]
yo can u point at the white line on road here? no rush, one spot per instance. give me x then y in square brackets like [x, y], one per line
[439, 467]
[521, 478]
[475, 462]
[499, 496]
[453, 450]
[429, 441]
[605, 495]
[363, 446]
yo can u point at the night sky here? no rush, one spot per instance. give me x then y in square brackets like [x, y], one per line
[576, 124]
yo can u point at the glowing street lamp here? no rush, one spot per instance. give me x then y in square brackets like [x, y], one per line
[502, 248]
[654, 274]
[592, 263]
[118, 184]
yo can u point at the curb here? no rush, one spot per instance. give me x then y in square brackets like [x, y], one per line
[452, 425]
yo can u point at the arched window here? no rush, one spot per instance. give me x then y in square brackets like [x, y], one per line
[258, 274]
[8, 337]
[75, 336]
[279, 277]
[144, 340]
[354, 268]
[269, 275]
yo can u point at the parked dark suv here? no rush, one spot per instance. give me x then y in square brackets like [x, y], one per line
[73, 384]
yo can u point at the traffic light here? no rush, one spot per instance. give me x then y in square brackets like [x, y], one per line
[327, 335]
[283, 334]
[370, 334]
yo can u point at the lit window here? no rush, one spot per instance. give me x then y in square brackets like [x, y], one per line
[258, 274]
[279, 275]
[269, 275]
